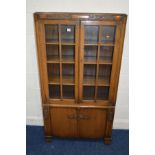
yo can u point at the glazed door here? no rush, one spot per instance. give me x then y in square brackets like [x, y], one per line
[60, 64]
[99, 46]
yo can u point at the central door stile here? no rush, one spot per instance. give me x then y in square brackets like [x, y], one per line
[77, 71]
[81, 55]
[60, 55]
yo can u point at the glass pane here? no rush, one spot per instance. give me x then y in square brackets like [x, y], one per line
[54, 91]
[67, 33]
[53, 73]
[90, 54]
[68, 91]
[68, 53]
[51, 33]
[91, 34]
[52, 52]
[106, 54]
[104, 74]
[68, 74]
[108, 34]
[103, 93]
[89, 74]
[88, 92]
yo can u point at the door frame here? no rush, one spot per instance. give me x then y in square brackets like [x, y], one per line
[42, 59]
[116, 62]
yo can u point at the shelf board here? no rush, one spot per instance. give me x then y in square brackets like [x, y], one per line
[56, 42]
[105, 60]
[53, 59]
[65, 59]
[107, 44]
[66, 80]
[90, 43]
[103, 82]
[52, 41]
[90, 60]
[62, 43]
[54, 80]
[93, 60]
[67, 43]
[90, 81]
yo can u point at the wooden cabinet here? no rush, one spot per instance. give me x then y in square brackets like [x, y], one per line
[79, 57]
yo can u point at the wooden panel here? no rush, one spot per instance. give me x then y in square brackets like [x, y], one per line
[117, 57]
[91, 123]
[64, 122]
[109, 124]
[80, 16]
[98, 22]
[47, 121]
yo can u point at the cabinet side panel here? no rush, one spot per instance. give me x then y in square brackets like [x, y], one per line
[38, 35]
[45, 109]
[117, 57]
[109, 125]
[47, 121]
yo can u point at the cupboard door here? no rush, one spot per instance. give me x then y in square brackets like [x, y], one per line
[60, 38]
[91, 123]
[63, 122]
[99, 42]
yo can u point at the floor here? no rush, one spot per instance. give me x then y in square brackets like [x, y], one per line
[37, 146]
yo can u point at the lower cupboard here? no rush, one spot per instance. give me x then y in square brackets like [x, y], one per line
[79, 122]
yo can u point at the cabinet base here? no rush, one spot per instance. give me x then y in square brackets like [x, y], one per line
[107, 141]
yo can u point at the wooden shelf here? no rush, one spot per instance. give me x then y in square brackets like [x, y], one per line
[66, 80]
[93, 60]
[52, 41]
[54, 80]
[91, 44]
[103, 82]
[65, 59]
[88, 41]
[62, 43]
[105, 60]
[67, 42]
[56, 42]
[90, 81]
[107, 44]
[101, 44]
[90, 60]
[53, 59]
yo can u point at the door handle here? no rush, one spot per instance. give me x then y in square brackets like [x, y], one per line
[71, 117]
[82, 117]
[78, 117]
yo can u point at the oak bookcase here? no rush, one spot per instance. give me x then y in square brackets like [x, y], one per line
[79, 57]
